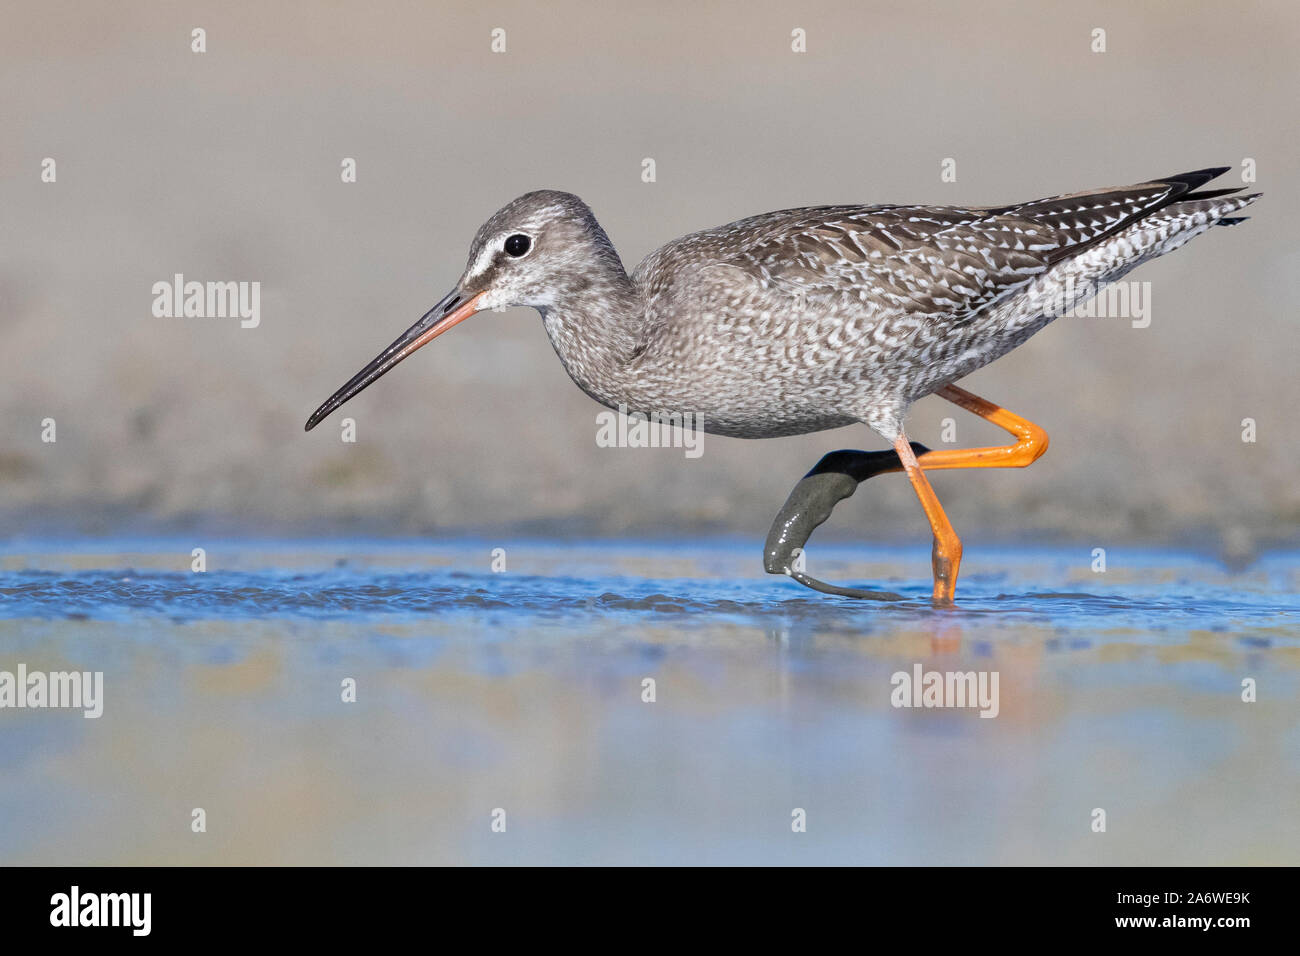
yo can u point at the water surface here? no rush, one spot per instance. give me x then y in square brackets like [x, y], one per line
[522, 689]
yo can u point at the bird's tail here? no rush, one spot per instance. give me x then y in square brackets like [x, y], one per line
[1188, 199]
[1177, 223]
[1211, 207]
[1090, 217]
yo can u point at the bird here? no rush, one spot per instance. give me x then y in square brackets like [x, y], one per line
[809, 319]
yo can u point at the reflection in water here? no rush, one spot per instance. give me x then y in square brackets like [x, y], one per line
[525, 691]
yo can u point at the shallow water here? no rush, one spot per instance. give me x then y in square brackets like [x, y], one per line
[522, 690]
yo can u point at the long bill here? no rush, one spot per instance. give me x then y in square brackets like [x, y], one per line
[452, 310]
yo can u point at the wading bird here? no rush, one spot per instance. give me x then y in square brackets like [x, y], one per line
[808, 319]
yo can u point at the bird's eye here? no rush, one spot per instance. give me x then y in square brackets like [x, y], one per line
[518, 245]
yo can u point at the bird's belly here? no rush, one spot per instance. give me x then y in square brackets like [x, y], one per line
[742, 403]
[961, 354]
[780, 424]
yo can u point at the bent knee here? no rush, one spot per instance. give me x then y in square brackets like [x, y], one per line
[1034, 445]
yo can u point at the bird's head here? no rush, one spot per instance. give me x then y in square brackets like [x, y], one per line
[538, 251]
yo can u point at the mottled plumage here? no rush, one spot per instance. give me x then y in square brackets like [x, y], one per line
[806, 319]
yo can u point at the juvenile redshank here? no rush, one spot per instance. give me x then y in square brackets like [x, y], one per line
[808, 319]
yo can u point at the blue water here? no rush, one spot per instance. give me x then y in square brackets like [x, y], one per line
[368, 579]
[523, 689]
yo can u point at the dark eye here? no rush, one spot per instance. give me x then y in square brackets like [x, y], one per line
[518, 245]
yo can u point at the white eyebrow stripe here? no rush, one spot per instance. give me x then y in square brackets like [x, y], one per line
[485, 257]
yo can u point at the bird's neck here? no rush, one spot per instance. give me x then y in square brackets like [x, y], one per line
[597, 331]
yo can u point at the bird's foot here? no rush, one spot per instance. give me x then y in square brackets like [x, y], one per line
[945, 560]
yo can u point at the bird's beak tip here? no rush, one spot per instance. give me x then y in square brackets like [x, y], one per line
[452, 310]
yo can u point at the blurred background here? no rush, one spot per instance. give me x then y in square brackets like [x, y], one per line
[375, 561]
[226, 166]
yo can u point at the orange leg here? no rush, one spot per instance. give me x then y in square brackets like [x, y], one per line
[945, 557]
[1031, 442]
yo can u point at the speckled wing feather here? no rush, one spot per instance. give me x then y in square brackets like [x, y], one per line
[937, 263]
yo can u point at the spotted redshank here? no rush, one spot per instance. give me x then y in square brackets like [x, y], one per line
[808, 319]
